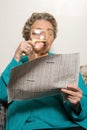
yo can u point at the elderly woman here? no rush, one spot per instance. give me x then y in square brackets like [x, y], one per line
[49, 112]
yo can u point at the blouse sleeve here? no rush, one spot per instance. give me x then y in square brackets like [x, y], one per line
[4, 79]
[6, 73]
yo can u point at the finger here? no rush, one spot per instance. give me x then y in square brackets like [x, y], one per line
[27, 50]
[27, 46]
[72, 93]
[30, 43]
[73, 100]
[66, 91]
[73, 87]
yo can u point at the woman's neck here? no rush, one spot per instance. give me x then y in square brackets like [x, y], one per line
[36, 55]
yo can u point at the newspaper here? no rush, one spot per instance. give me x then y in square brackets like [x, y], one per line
[43, 76]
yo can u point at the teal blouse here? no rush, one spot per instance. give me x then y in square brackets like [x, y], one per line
[48, 112]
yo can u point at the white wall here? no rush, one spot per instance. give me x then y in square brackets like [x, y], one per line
[70, 14]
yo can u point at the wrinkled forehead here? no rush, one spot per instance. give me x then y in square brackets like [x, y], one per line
[42, 24]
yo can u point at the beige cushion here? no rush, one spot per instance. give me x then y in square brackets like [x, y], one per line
[83, 70]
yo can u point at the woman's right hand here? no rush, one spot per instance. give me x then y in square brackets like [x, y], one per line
[23, 48]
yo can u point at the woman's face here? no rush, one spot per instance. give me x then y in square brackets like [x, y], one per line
[42, 32]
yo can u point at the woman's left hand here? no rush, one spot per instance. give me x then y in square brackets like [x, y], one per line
[73, 94]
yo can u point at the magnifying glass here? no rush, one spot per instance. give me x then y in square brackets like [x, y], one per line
[38, 37]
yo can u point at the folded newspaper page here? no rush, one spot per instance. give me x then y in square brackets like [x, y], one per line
[43, 76]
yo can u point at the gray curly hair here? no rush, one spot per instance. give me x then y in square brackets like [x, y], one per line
[38, 16]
